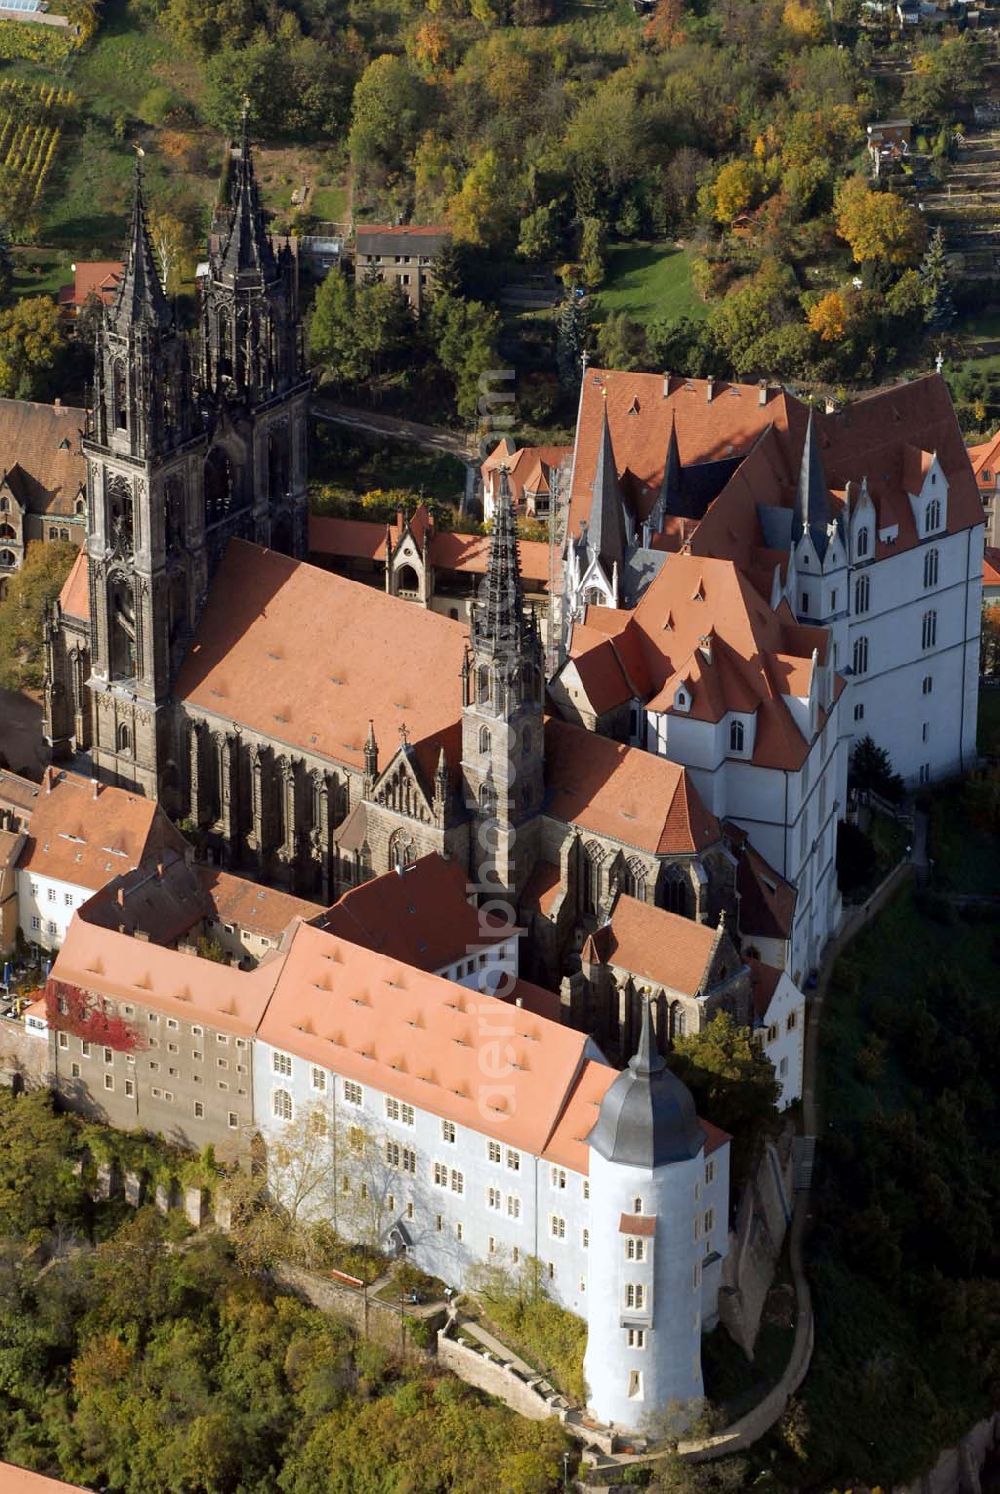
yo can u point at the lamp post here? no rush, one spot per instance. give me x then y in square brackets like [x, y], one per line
[565, 1470]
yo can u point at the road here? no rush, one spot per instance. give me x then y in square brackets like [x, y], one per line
[431, 437]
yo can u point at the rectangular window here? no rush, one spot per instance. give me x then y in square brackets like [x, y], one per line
[586, 1187]
[493, 1198]
[459, 1232]
[197, 1056]
[513, 1160]
[199, 1110]
[557, 1177]
[635, 1385]
[281, 1063]
[710, 1172]
[636, 1338]
[457, 1181]
[439, 1222]
[172, 1023]
[859, 711]
[409, 1160]
[440, 1175]
[491, 1245]
[222, 1063]
[925, 731]
[709, 1220]
[63, 1040]
[220, 1037]
[928, 684]
[406, 1114]
[130, 1087]
[635, 1249]
[448, 1132]
[36, 922]
[790, 1021]
[318, 1079]
[635, 1295]
[172, 1048]
[52, 894]
[353, 1093]
[74, 1069]
[234, 1120]
[356, 1139]
[586, 1239]
[513, 1206]
[53, 927]
[109, 1081]
[67, 899]
[196, 1029]
[84, 1048]
[557, 1227]
[493, 1151]
[392, 1153]
[391, 1108]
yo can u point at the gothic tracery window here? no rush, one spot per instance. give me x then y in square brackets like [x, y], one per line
[218, 486]
[120, 515]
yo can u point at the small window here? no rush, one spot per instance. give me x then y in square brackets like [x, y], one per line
[635, 1248]
[635, 1295]
[557, 1177]
[63, 1040]
[859, 711]
[130, 1088]
[863, 543]
[281, 1063]
[74, 1069]
[67, 899]
[860, 655]
[84, 1048]
[709, 1172]
[196, 1030]
[493, 1151]
[439, 1222]
[513, 1206]
[234, 1120]
[281, 1104]
[636, 1338]
[493, 1198]
[925, 731]
[930, 569]
[932, 520]
[637, 1206]
[736, 736]
[353, 1093]
[709, 1220]
[448, 1132]
[457, 1181]
[928, 630]
[513, 1160]
[109, 1081]
[318, 1079]
[585, 1239]
[586, 1187]
[791, 1021]
[928, 684]
[440, 1175]
[557, 1227]
[199, 1110]
[406, 1114]
[52, 894]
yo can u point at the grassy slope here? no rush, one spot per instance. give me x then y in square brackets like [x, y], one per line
[651, 282]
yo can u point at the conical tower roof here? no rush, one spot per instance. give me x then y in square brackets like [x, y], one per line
[139, 299]
[247, 253]
[647, 1118]
[499, 623]
[668, 499]
[606, 526]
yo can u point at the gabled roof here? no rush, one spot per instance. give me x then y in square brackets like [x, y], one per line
[651, 943]
[421, 915]
[401, 238]
[43, 441]
[15, 1480]
[97, 277]
[74, 598]
[173, 981]
[763, 984]
[308, 658]
[18, 794]
[767, 900]
[88, 833]
[991, 566]
[421, 1038]
[161, 900]
[985, 458]
[246, 905]
[450, 550]
[623, 793]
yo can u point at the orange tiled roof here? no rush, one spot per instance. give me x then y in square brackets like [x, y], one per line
[307, 657]
[421, 1038]
[98, 276]
[74, 599]
[624, 793]
[18, 793]
[991, 566]
[984, 459]
[14, 1480]
[43, 441]
[567, 1146]
[88, 833]
[527, 466]
[357, 539]
[421, 915]
[674, 952]
[182, 985]
[247, 905]
[470, 552]
[763, 983]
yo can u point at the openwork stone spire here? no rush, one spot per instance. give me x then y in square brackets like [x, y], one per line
[247, 253]
[499, 624]
[139, 299]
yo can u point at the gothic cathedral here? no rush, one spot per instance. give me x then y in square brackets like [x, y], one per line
[191, 440]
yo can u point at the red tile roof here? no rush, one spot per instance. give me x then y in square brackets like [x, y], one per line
[422, 1039]
[267, 911]
[14, 1480]
[991, 566]
[87, 833]
[361, 539]
[655, 945]
[421, 915]
[43, 442]
[74, 599]
[637, 1224]
[307, 657]
[99, 277]
[767, 901]
[623, 793]
[356, 539]
[763, 983]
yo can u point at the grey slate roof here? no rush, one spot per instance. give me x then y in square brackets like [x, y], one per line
[647, 1118]
[606, 533]
[812, 498]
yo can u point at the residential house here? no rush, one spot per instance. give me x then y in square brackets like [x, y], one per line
[43, 479]
[401, 255]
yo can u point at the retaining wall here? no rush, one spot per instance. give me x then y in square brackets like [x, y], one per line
[493, 1377]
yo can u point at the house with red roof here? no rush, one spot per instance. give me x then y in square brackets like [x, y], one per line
[43, 479]
[536, 475]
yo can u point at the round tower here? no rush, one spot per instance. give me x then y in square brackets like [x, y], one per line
[644, 1314]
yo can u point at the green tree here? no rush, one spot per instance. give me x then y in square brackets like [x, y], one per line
[592, 252]
[37, 1186]
[732, 1081]
[870, 770]
[331, 328]
[939, 308]
[6, 266]
[539, 237]
[30, 346]
[30, 593]
[387, 114]
[734, 190]
[571, 339]
[464, 336]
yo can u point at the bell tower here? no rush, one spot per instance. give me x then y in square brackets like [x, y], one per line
[502, 719]
[144, 451]
[253, 365]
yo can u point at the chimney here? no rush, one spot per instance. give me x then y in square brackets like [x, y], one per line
[518, 1000]
[57, 403]
[666, 386]
[762, 392]
[121, 897]
[95, 788]
[141, 935]
[709, 387]
[705, 646]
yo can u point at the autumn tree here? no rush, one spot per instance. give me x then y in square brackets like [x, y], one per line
[30, 345]
[665, 28]
[734, 190]
[827, 317]
[878, 225]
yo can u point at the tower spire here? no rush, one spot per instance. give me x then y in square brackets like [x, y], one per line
[606, 530]
[668, 499]
[647, 1058]
[499, 624]
[812, 498]
[247, 253]
[139, 298]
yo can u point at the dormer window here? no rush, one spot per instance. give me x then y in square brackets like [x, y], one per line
[863, 542]
[932, 516]
[737, 736]
[682, 700]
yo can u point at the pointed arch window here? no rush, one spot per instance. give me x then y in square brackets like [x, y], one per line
[676, 891]
[119, 395]
[737, 736]
[483, 684]
[484, 739]
[488, 800]
[281, 1104]
[593, 859]
[862, 544]
[932, 516]
[124, 738]
[862, 595]
[860, 655]
[928, 630]
[930, 569]
[7, 560]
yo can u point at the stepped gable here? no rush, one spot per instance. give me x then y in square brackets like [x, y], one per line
[308, 658]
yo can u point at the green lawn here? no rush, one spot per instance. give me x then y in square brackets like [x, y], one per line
[351, 463]
[651, 282]
[329, 204]
[41, 272]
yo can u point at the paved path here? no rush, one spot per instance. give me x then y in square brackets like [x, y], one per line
[431, 437]
[496, 1348]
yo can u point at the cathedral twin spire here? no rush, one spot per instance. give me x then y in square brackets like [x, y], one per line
[139, 298]
[247, 252]
[500, 625]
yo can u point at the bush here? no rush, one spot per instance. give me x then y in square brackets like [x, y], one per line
[42, 44]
